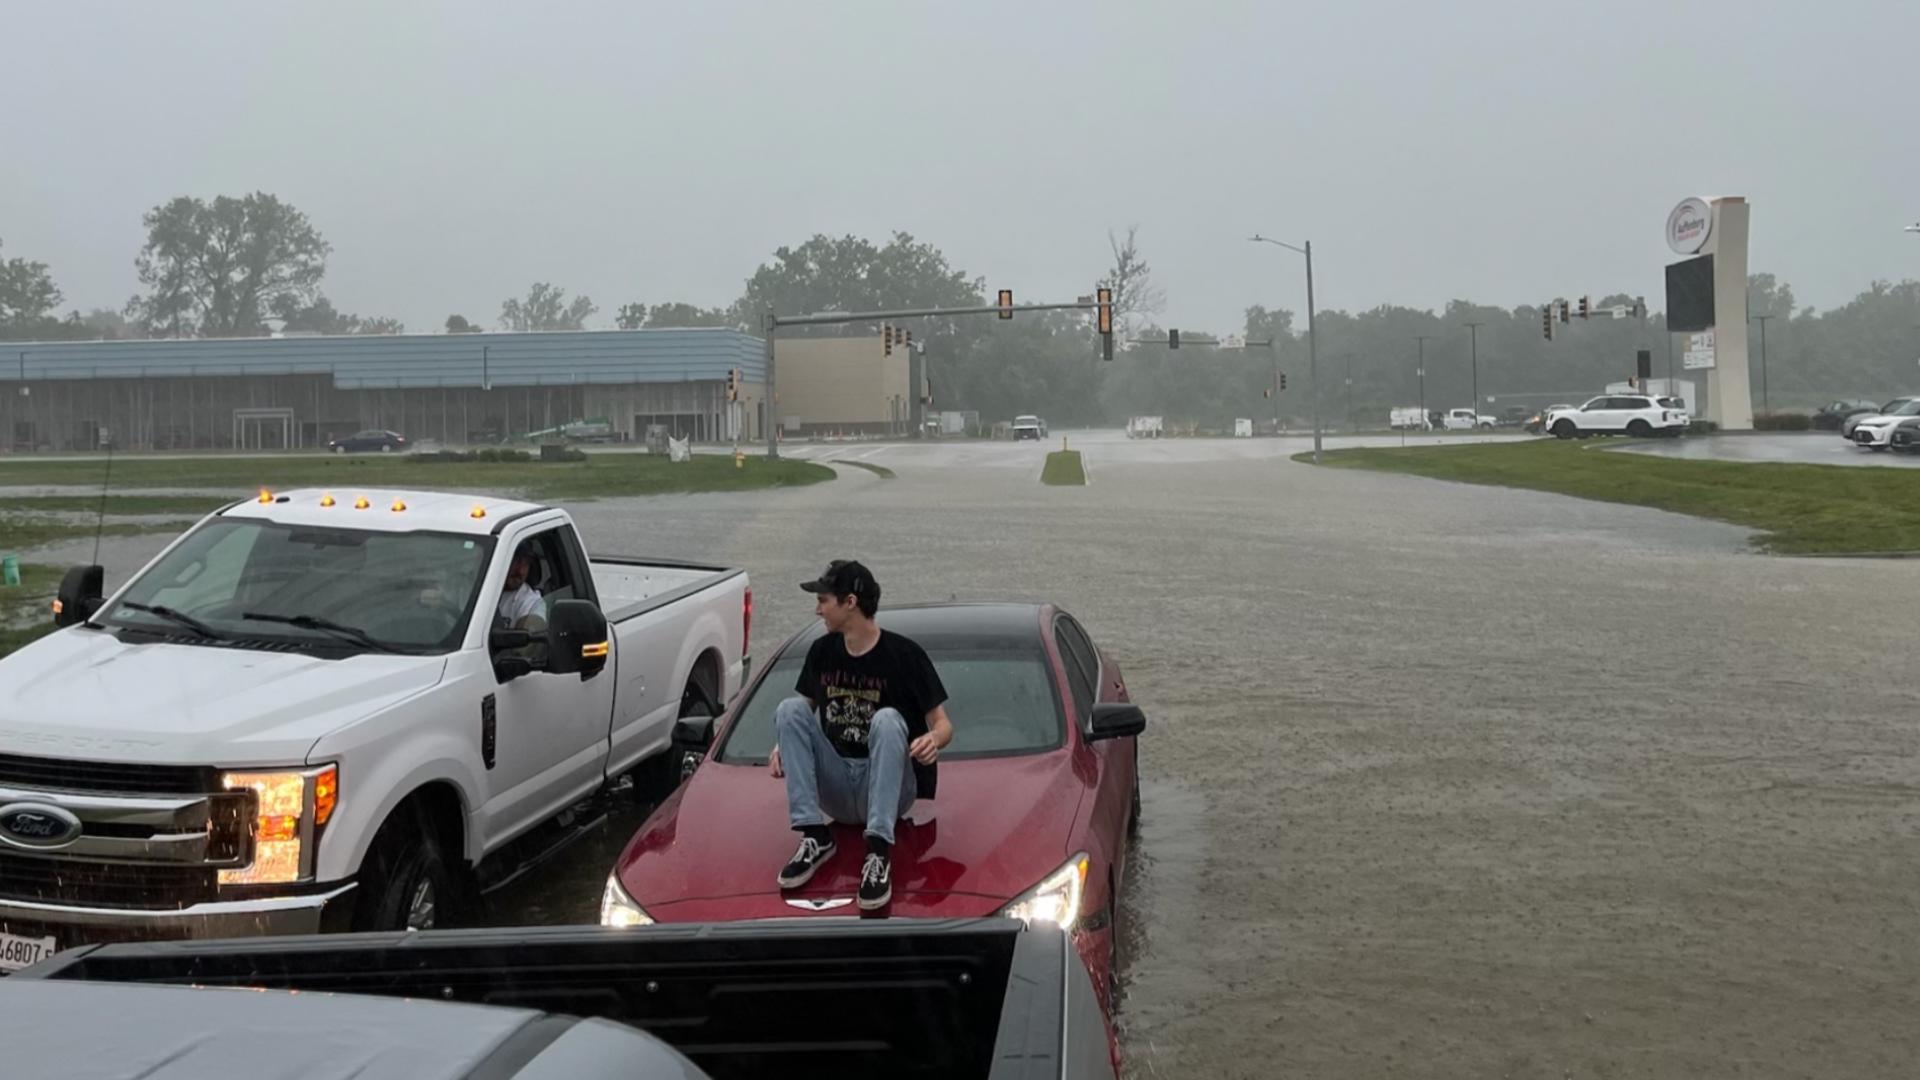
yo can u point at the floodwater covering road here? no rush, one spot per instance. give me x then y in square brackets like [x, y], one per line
[1441, 780]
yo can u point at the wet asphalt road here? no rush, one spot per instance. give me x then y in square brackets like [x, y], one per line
[1440, 780]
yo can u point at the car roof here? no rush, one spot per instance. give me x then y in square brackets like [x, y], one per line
[178, 1031]
[990, 620]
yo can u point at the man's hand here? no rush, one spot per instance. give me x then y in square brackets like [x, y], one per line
[924, 749]
[773, 763]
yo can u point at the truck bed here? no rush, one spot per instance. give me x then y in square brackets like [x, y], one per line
[930, 999]
[630, 586]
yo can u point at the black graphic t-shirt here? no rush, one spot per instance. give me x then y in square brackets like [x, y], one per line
[847, 690]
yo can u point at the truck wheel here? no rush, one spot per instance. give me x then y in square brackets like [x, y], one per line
[1639, 429]
[1564, 429]
[1486, 427]
[405, 883]
[660, 775]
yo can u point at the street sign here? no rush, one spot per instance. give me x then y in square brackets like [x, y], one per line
[1234, 341]
[1699, 351]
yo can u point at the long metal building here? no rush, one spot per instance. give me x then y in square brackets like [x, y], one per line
[298, 391]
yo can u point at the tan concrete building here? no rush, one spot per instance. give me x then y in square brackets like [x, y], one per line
[844, 385]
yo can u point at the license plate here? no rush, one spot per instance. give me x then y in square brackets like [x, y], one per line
[17, 951]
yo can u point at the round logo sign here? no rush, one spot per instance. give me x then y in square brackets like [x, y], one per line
[1688, 226]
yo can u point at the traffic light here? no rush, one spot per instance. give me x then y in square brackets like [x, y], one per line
[1640, 307]
[1546, 321]
[1173, 339]
[733, 384]
[1006, 303]
[906, 338]
[1103, 320]
[1586, 308]
[886, 333]
[1566, 311]
[1283, 380]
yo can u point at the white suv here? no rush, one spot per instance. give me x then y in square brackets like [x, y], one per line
[1617, 414]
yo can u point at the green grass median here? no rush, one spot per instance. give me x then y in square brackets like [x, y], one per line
[1063, 467]
[1799, 509]
[600, 475]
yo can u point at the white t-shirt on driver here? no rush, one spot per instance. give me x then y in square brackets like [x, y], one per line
[517, 604]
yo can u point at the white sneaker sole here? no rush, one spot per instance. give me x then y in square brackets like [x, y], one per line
[874, 905]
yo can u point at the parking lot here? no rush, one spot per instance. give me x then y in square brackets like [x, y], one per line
[1441, 779]
[1803, 448]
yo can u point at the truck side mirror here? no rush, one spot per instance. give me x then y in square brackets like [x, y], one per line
[1115, 720]
[82, 592]
[577, 638]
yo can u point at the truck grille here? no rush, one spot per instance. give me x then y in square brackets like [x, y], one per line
[96, 883]
[105, 777]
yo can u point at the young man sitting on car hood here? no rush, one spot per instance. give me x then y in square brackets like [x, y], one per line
[860, 742]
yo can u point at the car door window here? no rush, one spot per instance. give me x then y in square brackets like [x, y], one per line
[1079, 677]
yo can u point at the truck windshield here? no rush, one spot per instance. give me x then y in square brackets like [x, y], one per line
[403, 591]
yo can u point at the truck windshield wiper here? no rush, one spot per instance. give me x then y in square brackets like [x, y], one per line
[315, 622]
[178, 617]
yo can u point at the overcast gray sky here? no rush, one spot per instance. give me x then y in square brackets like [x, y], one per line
[454, 152]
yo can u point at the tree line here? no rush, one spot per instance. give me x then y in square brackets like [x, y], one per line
[235, 266]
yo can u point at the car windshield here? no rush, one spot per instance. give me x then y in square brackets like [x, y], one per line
[1908, 407]
[244, 579]
[1000, 697]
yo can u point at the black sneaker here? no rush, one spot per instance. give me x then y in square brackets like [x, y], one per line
[811, 855]
[876, 882]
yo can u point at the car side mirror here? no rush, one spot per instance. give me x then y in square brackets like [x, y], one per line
[577, 638]
[82, 592]
[693, 732]
[1116, 720]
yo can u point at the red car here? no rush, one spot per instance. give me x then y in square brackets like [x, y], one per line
[1038, 794]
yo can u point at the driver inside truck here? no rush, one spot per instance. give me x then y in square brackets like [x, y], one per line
[518, 598]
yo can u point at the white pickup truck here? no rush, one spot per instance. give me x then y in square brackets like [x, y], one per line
[1468, 420]
[307, 713]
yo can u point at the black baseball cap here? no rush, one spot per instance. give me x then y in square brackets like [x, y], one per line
[844, 577]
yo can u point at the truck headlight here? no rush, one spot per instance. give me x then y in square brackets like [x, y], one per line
[1056, 899]
[287, 809]
[617, 908]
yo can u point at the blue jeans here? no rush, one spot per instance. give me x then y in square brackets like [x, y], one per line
[822, 786]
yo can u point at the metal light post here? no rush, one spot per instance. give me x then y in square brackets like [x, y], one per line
[1313, 359]
[1350, 422]
[1474, 328]
[1421, 370]
[1765, 402]
[773, 395]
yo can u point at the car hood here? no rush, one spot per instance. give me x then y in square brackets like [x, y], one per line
[82, 693]
[711, 852]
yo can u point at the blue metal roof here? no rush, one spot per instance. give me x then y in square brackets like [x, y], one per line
[386, 361]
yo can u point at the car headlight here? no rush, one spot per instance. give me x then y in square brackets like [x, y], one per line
[288, 810]
[617, 908]
[1056, 899]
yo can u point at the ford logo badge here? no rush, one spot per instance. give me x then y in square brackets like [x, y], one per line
[37, 826]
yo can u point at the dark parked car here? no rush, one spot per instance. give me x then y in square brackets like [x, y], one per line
[1830, 416]
[369, 441]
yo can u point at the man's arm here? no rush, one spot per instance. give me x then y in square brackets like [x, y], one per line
[926, 749]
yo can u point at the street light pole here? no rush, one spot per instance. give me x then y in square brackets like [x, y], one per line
[1421, 370]
[1350, 422]
[1313, 356]
[1474, 328]
[1765, 402]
